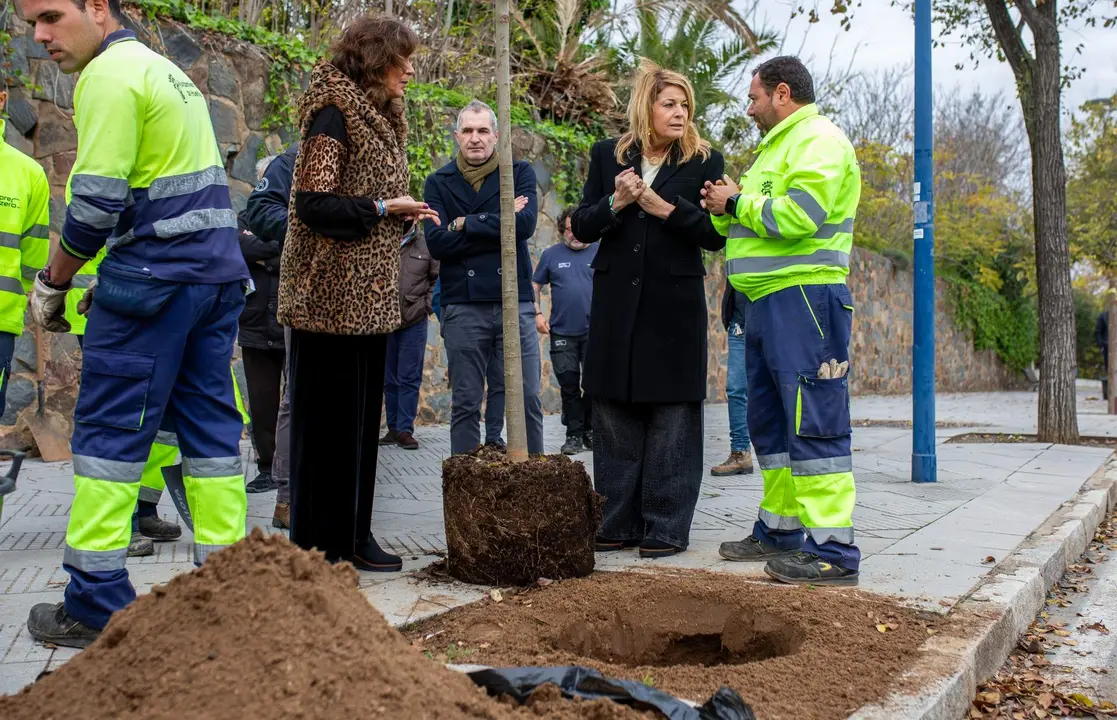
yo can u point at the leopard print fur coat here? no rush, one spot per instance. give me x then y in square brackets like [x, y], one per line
[345, 287]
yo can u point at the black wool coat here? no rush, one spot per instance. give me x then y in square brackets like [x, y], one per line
[648, 317]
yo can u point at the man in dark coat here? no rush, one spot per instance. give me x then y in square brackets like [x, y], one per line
[266, 215]
[466, 195]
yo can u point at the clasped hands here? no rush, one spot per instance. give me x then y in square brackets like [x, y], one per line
[631, 188]
[714, 195]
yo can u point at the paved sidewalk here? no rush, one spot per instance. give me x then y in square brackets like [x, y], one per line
[928, 543]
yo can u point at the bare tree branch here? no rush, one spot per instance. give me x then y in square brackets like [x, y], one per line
[1013, 46]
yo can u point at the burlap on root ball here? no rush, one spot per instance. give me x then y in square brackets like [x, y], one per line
[511, 524]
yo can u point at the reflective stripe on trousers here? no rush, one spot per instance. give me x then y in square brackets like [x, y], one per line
[218, 504]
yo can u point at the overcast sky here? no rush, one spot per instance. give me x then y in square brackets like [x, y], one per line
[883, 36]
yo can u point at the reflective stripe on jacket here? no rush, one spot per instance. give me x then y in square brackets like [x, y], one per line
[794, 222]
[24, 234]
[148, 182]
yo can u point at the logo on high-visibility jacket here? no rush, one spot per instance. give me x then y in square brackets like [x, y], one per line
[186, 89]
[766, 188]
[7, 201]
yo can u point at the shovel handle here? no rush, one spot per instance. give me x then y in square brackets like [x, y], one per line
[8, 482]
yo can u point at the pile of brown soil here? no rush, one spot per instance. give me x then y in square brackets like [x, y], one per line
[263, 629]
[513, 523]
[791, 652]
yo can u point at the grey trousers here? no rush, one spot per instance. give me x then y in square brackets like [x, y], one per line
[281, 462]
[474, 340]
[647, 462]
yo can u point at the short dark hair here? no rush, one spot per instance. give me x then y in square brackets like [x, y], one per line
[114, 8]
[790, 70]
[565, 215]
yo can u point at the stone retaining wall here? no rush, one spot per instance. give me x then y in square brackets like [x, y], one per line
[234, 77]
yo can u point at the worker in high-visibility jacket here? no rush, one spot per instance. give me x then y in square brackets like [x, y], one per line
[24, 242]
[148, 185]
[790, 230]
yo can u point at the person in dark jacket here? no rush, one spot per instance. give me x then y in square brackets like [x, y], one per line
[266, 215]
[646, 359]
[262, 348]
[407, 347]
[733, 305]
[466, 195]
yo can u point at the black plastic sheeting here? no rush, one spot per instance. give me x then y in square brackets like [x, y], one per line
[581, 682]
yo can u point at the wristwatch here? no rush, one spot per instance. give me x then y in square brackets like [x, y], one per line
[458, 225]
[731, 205]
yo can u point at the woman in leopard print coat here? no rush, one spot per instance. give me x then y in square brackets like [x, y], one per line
[339, 283]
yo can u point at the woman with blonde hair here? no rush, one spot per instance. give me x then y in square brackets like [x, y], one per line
[646, 355]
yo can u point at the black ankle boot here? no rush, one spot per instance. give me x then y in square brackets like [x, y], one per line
[371, 558]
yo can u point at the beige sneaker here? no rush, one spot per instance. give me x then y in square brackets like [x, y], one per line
[739, 463]
[281, 518]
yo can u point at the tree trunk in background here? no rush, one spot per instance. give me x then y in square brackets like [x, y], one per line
[1058, 419]
[389, 8]
[1038, 74]
[510, 293]
[1111, 346]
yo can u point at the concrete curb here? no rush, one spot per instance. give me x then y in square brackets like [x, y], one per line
[1002, 607]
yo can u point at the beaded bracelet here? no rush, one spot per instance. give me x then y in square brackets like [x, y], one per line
[381, 208]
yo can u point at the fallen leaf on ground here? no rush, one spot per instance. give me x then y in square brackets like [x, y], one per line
[882, 628]
[496, 595]
[989, 559]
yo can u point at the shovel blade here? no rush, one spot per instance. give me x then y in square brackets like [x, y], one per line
[53, 442]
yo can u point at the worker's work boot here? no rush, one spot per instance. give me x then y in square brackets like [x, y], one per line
[809, 569]
[140, 546]
[158, 529]
[281, 518]
[751, 549]
[50, 623]
[739, 463]
[390, 437]
[573, 445]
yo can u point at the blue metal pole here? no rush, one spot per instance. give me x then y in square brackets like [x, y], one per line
[923, 461]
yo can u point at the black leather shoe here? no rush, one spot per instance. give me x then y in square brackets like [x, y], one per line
[606, 545]
[657, 549]
[371, 558]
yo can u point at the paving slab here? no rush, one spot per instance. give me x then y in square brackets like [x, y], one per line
[926, 544]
